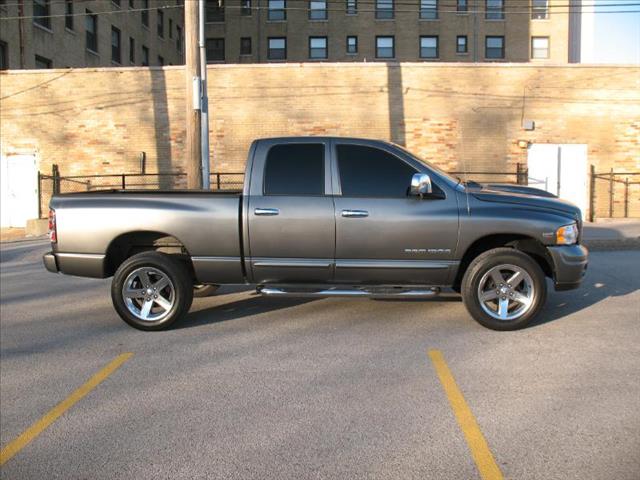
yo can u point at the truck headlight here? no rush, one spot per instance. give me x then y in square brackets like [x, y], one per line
[567, 235]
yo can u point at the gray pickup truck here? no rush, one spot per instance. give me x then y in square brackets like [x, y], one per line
[322, 217]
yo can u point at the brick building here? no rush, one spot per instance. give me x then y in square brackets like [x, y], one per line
[95, 33]
[462, 117]
[58, 34]
[256, 31]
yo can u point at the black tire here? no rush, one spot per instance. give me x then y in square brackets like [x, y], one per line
[180, 286]
[480, 270]
[201, 290]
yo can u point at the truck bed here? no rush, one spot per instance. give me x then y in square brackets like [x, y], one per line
[206, 223]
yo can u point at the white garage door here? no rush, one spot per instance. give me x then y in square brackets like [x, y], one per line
[19, 187]
[561, 169]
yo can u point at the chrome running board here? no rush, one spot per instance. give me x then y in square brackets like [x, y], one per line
[355, 292]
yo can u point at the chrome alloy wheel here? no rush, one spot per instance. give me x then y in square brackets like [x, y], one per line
[148, 294]
[506, 292]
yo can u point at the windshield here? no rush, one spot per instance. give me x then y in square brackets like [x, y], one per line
[430, 165]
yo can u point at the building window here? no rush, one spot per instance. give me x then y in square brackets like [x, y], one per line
[160, 23]
[539, 9]
[160, 60]
[384, 9]
[245, 8]
[68, 15]
[91, 31]
[461, 44]
[43, 63]
[277, 10]
[494, 47]
[41, 13]
[429, 47]
[352, 45]
[539, 47]
[215, 49]
[494, 9]
[462, 6]
[317, 10]
[277, 48]
[132, 50]
[215, 11]
[131, 5]
[245, 46]
[144, 15]
[317, 48]
[145, 56]
[4, 56]
[116, 2]
[179, 38]
[116, 51]
[385, 47]
[170, 28]
[428, 9]
[352, 7]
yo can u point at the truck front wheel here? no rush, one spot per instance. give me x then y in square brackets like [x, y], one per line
[151, 290]
[504, 289]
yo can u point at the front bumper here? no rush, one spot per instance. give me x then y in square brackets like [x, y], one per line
[50, 262]
[569, 265]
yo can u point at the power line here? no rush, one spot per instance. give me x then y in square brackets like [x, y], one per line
[504, 10]
[83, 14]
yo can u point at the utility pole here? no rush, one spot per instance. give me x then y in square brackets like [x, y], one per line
[193, 152]
[204, 99]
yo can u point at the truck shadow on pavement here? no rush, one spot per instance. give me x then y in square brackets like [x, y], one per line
[598, 285]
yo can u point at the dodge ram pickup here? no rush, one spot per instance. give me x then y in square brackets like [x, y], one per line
[320, 217]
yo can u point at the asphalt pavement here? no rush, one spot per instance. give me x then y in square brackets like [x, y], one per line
[252, 387]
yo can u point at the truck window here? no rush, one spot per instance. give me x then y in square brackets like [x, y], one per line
[371, 172]
[295, 169]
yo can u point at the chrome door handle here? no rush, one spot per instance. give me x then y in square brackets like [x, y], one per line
[355, 213]
[266, 211]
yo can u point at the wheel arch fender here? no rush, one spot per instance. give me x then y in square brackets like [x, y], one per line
[524, 243]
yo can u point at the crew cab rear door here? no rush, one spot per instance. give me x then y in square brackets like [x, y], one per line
[383, 235]
[291, 225]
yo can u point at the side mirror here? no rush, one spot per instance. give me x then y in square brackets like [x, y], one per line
[420, 185]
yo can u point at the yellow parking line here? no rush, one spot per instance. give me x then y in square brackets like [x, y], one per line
[36, 429]
[480, 452]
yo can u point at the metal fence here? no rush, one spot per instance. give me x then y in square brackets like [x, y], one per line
[55, 183]
[519, 177]
[614, 194]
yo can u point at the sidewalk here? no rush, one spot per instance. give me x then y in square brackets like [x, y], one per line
[612, 234]
[605, 234]
[8, 235]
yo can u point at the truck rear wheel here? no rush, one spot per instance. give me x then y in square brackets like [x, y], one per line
[151, 290]
[504, 289]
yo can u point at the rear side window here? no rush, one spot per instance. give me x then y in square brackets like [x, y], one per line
[371, 172]
[296, 169]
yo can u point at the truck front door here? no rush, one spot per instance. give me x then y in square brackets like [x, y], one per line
[291, 226]
[383, 235]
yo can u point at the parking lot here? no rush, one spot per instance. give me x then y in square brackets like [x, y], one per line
[251, 387]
